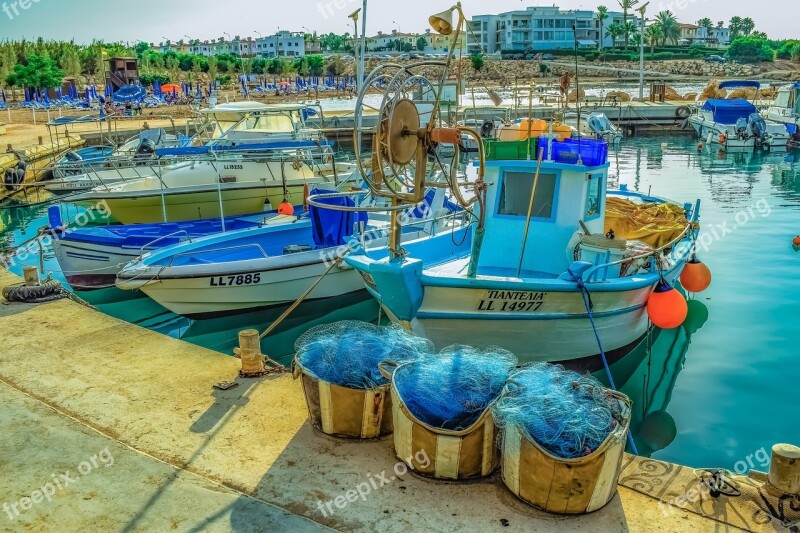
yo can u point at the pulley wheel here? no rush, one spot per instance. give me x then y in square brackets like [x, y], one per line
[401, 132]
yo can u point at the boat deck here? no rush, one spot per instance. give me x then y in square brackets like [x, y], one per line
[79, 388]
[457, 268]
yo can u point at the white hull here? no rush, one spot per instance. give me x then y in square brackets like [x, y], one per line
[217, 295]
[89, 265]
[711, 132]
[538, 326]
[88, 181]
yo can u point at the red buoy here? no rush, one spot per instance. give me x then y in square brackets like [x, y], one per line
[699, 146]
[666, 307]
[286, 209]
[696, 276]
[796, 243]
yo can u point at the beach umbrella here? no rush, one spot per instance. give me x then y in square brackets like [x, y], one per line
[87, 95]
[4, 95]
[157, 88]
[59, 92]
[175, 92]
[129, 93]
[46, 96]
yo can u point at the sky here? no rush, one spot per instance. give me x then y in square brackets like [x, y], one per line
[155, 20]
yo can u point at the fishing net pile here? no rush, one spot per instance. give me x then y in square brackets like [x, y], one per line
[452, 389]
[347, 353]
[568, 414]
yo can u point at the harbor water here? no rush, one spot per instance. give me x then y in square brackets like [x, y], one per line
[703, 394]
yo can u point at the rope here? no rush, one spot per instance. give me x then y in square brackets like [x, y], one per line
[588, 305]
[48, 291]
[302, 297]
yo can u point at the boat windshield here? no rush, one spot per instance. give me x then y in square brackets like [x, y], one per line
[267, 124]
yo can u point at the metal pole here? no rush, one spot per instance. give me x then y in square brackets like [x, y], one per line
[641, 60]
[363, 51]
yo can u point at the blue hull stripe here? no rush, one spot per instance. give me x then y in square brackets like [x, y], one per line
[543, 316]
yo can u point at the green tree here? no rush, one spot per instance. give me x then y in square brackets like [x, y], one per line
[654, 33]
[213, 69]
[602, 17]
[747, 26]
[422, 43]
[736, 27]
[408, 47]
[478, 61]
[706, 24]
[140, 48]
[626, 6]
[750, 50]
[670, 27]
[616, 31]
[71, 62]
[316, 65]
[39, 72]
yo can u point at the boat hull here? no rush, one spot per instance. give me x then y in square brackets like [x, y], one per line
[89, 266]
[221, 295]
[193, 203]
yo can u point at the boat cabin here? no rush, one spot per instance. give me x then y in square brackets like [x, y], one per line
[254, 121]
[566, 193]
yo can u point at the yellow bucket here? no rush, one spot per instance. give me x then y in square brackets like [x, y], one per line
[452, 455]
[564, 486]
[345, 412]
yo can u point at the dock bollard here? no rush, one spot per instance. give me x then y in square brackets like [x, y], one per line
[250, 353]
[31, 275]
[784, 471]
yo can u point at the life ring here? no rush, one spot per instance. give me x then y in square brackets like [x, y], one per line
[683, 112]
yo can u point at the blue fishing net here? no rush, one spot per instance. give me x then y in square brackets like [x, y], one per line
[452, 389]
[568, 414]
[347, 353]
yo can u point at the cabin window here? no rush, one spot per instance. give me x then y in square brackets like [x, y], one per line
[515, 196]
[593, 197]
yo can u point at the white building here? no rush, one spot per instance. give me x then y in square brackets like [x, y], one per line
[283, 44]
[541, 28]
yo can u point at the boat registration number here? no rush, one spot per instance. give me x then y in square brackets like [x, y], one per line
[233, 281]
[233, 167]
[512, 301]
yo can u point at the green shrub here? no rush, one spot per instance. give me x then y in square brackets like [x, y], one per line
[750, 50]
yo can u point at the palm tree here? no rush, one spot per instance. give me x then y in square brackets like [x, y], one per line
[670, 27]
[736, 27]
[602, 16]
[626, 5]
[708, 25]
[748, 25]
[654, 33]
[615, 31]
[631, 31]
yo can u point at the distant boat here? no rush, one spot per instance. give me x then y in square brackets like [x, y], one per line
[736, 123]
[786, 109]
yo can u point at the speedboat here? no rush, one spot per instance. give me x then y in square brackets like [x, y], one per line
[556, 258]
[91, 257]
[786, 109]
[272, 265]
[737, 123]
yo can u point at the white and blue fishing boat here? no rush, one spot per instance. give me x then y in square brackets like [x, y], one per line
[526, 283]
[271, 265]
[786, 109]
[90, 257]
[736, 122]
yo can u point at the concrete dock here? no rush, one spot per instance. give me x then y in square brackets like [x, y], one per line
[146, 443]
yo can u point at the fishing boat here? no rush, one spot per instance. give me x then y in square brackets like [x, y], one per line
[226, 181]
[556, 269]
[91, 257]
[786, 109]
[736, 123]
[243, 270]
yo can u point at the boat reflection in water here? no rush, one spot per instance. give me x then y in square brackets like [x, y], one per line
[647, 375]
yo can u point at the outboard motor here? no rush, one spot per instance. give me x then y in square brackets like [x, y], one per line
[741, 128]
[487, 129]
[757, 127]
[599, 124]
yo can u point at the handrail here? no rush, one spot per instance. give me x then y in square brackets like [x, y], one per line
[228, 248]
[151, 243]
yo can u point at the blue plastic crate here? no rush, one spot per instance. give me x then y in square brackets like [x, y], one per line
[592, 152]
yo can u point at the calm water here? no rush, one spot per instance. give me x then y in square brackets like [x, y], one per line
[707, 394]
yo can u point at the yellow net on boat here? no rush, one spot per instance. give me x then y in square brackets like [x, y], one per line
[654, 224]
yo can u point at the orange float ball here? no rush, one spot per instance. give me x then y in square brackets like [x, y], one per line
[699, 146]
[666, 307]
[696, 276]
[796, 243]
[722, 138]
[286, 209]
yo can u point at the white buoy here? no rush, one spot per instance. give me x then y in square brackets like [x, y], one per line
[664, 146]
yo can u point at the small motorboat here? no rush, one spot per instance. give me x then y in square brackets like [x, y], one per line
[786, 109]
[272, 265]
[736, 123]
[91, 257]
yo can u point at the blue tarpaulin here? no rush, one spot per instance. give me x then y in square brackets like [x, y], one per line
[330, 227]
[739, 84]
[729, 111]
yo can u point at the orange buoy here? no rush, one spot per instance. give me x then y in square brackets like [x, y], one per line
[666, 307]
[286, 209]
[722, 138]
[699, 146]
[696, 276]
[796, 243]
